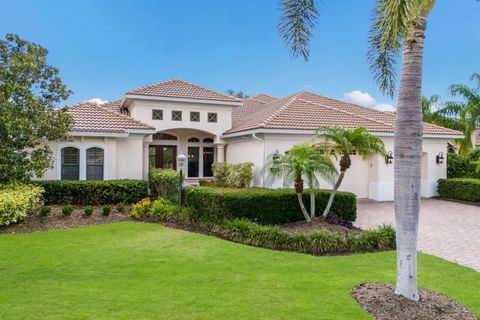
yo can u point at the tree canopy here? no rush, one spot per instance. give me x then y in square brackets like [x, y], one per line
[30, 91]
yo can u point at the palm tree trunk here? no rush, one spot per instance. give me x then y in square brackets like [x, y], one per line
[312, 202]
[334, 191]
[302, 206]
[407, 167]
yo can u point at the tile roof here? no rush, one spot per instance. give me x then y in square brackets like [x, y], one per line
[89, 117]
[249, 107]
[181, 89]
[305, 110]
[113, 105]
[262, 97]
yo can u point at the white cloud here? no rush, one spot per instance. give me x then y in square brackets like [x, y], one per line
[384, 107]
[95, 101]
[359, 97]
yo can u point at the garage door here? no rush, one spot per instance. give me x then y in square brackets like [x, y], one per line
[356, 178]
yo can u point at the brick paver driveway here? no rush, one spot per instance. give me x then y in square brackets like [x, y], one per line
[449, 230]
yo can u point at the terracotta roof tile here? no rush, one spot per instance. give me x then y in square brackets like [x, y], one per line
[181, 89]
[113, 105]
[250, 106]
[305, 110]
[88, 117]
[262, 97]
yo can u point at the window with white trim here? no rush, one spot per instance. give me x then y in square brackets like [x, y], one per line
[70, 163]
[95, 157]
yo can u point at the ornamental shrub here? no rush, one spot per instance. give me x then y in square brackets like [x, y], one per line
[459, 188]
[17, 201]
[106, 210]
[141, 209]
[67, 210]
[120, 208]
[265, 206]
[94, 192]
[45, 211]
[461, 167]
[88, 211]
[474, 154]
[232, 175]
[163, 182]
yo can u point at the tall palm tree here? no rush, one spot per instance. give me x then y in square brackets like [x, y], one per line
[398, 26]
[432, 113]
[304, 161]
[467, 110]
[345, 141]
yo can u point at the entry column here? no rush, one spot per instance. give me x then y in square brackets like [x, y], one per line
[220, 152]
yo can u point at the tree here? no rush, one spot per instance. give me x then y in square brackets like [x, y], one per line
[398, 26]
[30, 89]
[302, 162]
[345, 141]
[467, 110]
[430, 115]
[237, 94]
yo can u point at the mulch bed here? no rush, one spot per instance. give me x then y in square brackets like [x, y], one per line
[56, 220]
[317, 224]
[383, 304]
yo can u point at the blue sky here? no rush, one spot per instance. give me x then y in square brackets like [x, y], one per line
[104, 48]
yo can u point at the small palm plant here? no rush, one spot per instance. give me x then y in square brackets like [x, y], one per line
[302, 162]
[345, 141]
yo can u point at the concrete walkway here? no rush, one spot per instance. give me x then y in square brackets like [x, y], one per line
[448, 229]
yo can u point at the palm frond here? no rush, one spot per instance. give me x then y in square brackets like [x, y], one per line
[298, 19]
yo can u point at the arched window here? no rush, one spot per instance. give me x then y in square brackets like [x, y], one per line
[70, 163]
[193, 139]
[208, 140]
[94, 163]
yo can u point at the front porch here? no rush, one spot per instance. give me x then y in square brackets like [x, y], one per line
[201, 148]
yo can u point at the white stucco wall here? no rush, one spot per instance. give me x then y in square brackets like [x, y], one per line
[142, 110]
[367, 178]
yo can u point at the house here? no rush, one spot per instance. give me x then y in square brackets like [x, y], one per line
[476, 138]
[151, 125]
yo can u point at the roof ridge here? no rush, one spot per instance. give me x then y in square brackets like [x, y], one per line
[440, 127]
[350, 103]
[347, 112]
[124, 116]
[210, 90]
[276, 113]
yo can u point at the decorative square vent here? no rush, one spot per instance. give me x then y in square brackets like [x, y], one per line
[195, 116]
[157, 114]
[176, 115]
[212, 117]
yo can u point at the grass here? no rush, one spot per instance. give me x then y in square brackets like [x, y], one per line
[130, 270]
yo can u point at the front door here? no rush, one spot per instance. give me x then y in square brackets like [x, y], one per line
[163, 157]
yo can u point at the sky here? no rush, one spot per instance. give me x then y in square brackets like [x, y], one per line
[104, 48]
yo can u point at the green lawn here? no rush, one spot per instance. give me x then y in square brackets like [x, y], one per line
[145, 271]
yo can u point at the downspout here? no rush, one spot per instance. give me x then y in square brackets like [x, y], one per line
[254, 136]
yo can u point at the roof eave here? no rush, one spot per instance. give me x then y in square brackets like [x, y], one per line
[188, 100]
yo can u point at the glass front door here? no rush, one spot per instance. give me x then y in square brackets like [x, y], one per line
[208, 159]
[193, 161]
[162, 157]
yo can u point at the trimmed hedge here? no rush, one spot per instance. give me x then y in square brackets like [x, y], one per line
[460, 188]
[265, 206]
[93, 192]
[17, 201]
[461, 167]
[163, 182]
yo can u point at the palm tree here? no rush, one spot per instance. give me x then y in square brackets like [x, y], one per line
[304, 161]
[344, 142]
[437, 116]
[398, 26]
[467, 110]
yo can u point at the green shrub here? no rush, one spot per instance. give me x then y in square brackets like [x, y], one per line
[45, 211]
[88, 211]
[460, 188]
[17, 201]
[460, 167]
[232, 175]
[141, 209]
[120, 207]
[93, 192]
[67, 210]
[206, 183]
[474, 154]
[265, 206]
[106, 209]
[164, 182]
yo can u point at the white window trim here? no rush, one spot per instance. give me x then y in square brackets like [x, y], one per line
[200, 146]
[83, 159]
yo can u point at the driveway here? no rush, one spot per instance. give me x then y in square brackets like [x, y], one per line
[448, 229]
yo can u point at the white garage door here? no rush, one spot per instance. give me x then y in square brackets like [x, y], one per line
[356, 178]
